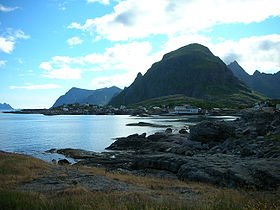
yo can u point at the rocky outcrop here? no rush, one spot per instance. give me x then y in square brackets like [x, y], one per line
[211, 131]
[243, 154]
[148, 124]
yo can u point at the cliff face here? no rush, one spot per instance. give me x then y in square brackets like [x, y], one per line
[266, 84]
[191, 70]
[83, 96]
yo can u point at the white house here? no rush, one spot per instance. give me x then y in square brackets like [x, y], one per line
[186, 109]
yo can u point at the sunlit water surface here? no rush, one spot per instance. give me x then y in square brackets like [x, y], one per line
[34, 134]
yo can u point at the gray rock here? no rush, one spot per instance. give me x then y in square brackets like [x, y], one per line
[208, 131]
[168, 130]
[63, 162]
[183, 131]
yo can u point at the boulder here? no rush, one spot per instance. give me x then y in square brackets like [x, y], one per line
[183, 131]
[132, 142]
[63, 162]
[210, 131]
[168, 130]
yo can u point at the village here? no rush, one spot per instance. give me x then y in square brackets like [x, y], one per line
[141, 111]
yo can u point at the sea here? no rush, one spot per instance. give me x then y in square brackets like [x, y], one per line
[34, 134]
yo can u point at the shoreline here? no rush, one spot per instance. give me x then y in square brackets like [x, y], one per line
[200, 169]
[250, 140]
[229, 154]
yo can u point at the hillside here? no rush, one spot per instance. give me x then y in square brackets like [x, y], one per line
[266, 84]
[5, 106]
[173, 100]
[83, 96]
[192, 71]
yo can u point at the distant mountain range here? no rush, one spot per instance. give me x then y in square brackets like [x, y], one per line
[192, 71]
[266, 84]
[83, 96]
[5, 106]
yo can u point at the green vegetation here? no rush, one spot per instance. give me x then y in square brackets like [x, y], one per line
[192, 71]
[175, 100]
[241, 100]
[189, 50]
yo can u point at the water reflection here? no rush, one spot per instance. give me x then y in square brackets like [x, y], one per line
[34, 134]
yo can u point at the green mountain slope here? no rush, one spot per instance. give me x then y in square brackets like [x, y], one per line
[192, 71]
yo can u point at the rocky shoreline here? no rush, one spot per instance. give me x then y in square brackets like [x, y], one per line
[244, 153]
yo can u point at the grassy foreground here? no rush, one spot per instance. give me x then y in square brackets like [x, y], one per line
[157, 194]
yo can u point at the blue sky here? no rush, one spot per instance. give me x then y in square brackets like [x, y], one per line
[49, 46]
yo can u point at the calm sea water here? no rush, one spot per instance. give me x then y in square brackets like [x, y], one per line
[34, 134]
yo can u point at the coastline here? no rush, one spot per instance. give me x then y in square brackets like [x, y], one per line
[176, 167]
[242, 153]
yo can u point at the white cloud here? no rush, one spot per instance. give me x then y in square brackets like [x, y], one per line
[100, 1]
[74, 41]
[8, 41]
[119, 80]
[2, 63]
[60, 68]
[46, 66]
[252, 53]
[6, 46]
[36, 87]
[64, 72]
[17, 34]
[7, 9]
[130, 57]
[262, 53]
[133, 19]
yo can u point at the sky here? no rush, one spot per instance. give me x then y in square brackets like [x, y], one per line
[49, 46]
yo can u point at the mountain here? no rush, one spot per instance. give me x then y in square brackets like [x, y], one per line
[5, 106]
[192, 71]
[82, 96]
[266, 84]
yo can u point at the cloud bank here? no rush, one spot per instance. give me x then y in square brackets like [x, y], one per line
[74, 41]
[134, 19]
[36, 87]
[8, 40]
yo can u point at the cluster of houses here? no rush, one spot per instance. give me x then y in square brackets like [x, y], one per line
[267, 106]
[186, 109]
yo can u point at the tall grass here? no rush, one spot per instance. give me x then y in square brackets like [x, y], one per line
[157, 193]
[16, 168]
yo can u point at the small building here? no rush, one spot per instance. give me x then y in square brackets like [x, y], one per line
[186, 109]
[277, 106]
[267, 109]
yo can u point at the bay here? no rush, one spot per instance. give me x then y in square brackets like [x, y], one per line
[33, 134]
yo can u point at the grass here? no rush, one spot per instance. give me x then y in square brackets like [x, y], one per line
[237, 100]
[175, 100]
[157, 193]
[80, 198]
[16, 168]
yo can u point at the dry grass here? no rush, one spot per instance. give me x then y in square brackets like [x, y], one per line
[81, 198]
[159, 193]
[150, 182]
[229, 199]
[16, 168]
